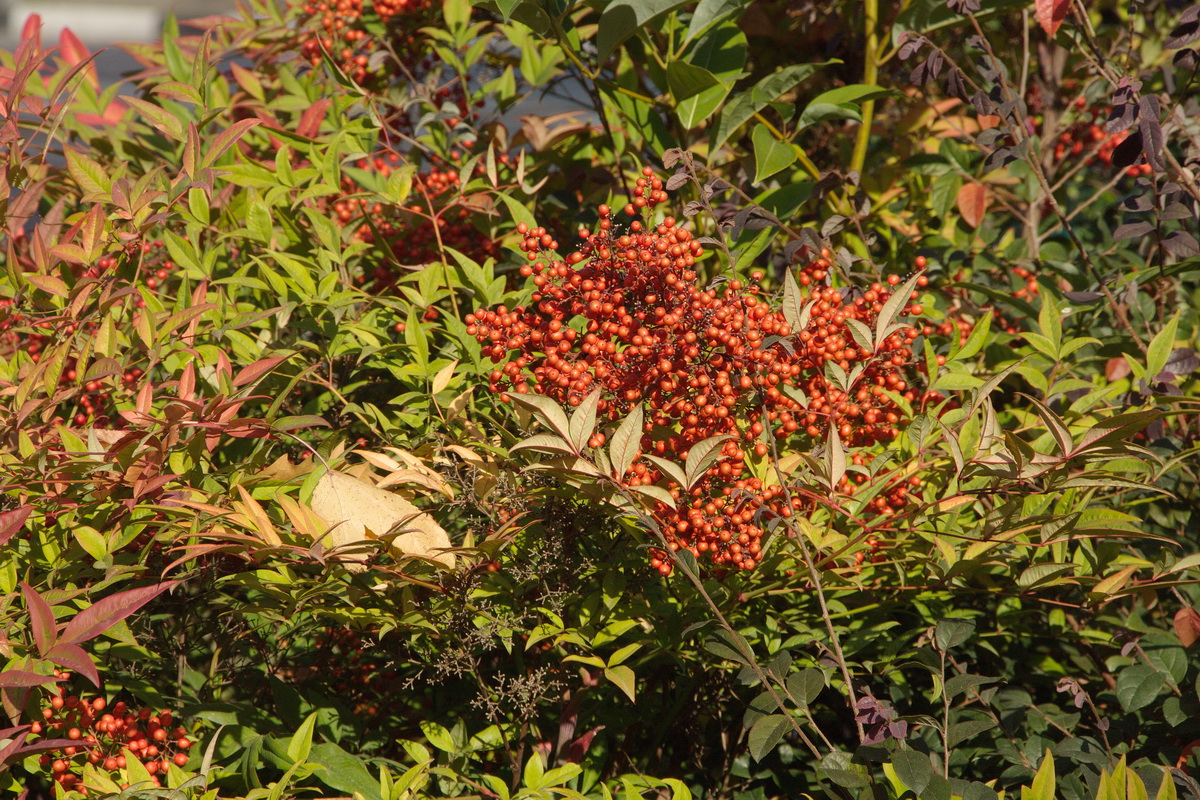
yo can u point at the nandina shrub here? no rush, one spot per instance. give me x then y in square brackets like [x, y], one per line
[410, 235]
[624, 315]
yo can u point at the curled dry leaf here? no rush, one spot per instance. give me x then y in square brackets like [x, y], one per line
[357, 511]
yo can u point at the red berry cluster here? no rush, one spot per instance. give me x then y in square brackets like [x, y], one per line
[408, 231]
[342, 30]
[103, 735]
[703, 362]
[20, 333]
[1088, 134]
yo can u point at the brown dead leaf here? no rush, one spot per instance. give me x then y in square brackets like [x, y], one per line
[1187, 625]
[357, 511]
[281, 469]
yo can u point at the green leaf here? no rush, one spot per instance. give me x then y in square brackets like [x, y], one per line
[770, 154]
[840, 103]
[913, 769]
[624, 678]
[438, 736]
[301, 741]
[943, 193]
[1050, 321]
[963, 683]
[923, 16]
[744, 105]
[974, 342]
[686, 80]
[697, 92]
[804, 686]
[952, 632]
[670, 470]
[626, 441]
[793, 301]
[548, 412]
[1043, 783]
[621, 19]
[1160, 348]
[547, 442]
[583, 420]
[710, 11]
[535, 770]
[701, 456]
[962, 731]
[343, 772]
[1138, 686]
[766, 733]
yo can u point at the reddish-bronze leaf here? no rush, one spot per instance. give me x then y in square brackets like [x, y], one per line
[1051, 13]
[75, 52]
[41, 616]
[1187, 625]
[32, 29]
[103, 614]
[973, 200]
[12, 521]
[1115, 369]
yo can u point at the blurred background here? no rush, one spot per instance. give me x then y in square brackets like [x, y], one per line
[102, 23]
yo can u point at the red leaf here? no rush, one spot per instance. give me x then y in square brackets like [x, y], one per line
[21, 677]
[1187, 626]
[17, 748]
[12, 521]
[75, 52]
[103, 614]
[1115, 369]
[1051, 13]
[45, 631]
[33, 30]
[578, 748]
[256, 370]
[226, 139]
[310, 121]
[73, 657]
[973, 200]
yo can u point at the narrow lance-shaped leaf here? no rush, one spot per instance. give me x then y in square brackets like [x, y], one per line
[1160, 348]
[626, 440]
[1054, 424]
[701, 456]
[21, 677]
[41, 617]
[12, 521]
[669, 469]
[835, 456]
[548, 412]
[891, 309]
[583, 421]
[107, 612]
[73, 657]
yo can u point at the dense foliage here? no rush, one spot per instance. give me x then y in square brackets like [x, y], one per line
[733, 399]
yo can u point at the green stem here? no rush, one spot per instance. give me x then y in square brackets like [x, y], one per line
[870, 75]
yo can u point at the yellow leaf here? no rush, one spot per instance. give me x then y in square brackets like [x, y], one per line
[358, 511]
